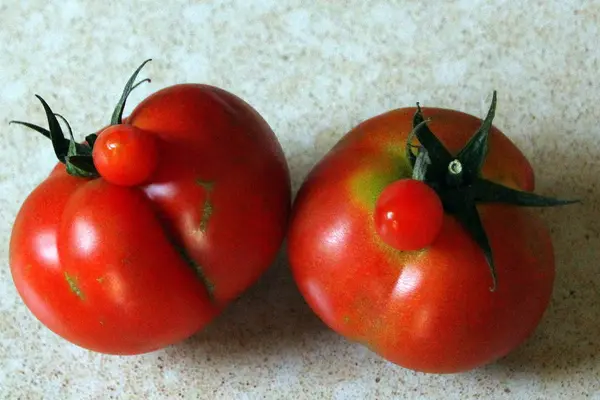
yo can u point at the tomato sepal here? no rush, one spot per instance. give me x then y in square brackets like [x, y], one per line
[78, 156]
[117, 116]
[68, 151]
[458, 180]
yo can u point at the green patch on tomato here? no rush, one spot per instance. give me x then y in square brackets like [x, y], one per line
[367, 184]
[207, 206]
[207, 185]
[207, 211]
[72, 281]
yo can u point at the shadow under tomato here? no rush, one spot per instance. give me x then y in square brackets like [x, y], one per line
[567, 341]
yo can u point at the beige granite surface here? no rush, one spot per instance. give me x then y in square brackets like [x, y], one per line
[313, 69]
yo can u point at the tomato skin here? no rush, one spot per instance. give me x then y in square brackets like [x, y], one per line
[408, 215]
[125, 155]
[236, 165]
[35, 266]
[128, 270]
[430, 310]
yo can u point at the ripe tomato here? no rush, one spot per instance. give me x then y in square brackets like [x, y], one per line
[430, 309]
[125, 155]
[130, 269]
[408, 215]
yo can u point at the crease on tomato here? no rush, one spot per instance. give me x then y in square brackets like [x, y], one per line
[198, 270]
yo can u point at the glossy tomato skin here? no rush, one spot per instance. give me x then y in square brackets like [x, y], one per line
[430, 310]
[222, 187]
[408, 214]
[128, 270]
[125, 155]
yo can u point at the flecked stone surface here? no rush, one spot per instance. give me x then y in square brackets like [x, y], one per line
[313, 69]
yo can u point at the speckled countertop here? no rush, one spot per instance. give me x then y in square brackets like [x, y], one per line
[314, 71]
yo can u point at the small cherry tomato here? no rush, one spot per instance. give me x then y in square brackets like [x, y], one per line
[408, 215]
[125, 155]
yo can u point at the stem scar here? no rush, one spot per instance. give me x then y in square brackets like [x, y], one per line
[455, 167]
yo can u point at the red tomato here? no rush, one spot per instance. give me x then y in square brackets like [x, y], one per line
[431, 309]
[127, 270]
[125, 155]
[408, 215]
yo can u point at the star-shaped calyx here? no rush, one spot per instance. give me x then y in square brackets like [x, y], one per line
[458, 180]
[77, 157]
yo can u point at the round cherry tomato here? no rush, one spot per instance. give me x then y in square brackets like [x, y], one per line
[408, 215]
[430, 309]
[130, 269]
[125, 155]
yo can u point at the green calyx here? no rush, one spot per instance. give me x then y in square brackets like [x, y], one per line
[458, 181]
[78, 156]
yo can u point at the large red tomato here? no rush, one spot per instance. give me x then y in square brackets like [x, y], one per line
[126, 268]
[437, 308]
